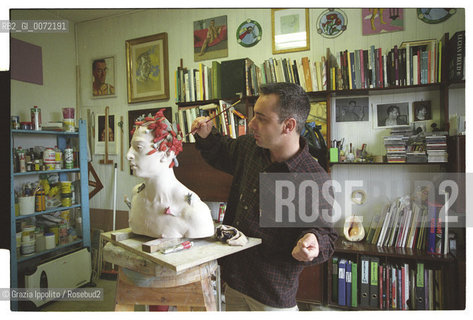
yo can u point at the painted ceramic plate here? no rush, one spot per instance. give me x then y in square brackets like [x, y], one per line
[331, 23]
[249, 33]
[435, 15]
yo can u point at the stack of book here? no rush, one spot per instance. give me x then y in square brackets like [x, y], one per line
[396, 144]
[436, 148]
[416, 150]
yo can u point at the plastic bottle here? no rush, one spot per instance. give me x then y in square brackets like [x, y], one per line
[22, 160]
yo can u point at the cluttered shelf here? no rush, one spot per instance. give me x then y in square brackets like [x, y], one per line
[344, 246]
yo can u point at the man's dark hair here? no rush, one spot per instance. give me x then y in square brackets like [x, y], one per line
[293, 102]
[391, 109]
[97, 61]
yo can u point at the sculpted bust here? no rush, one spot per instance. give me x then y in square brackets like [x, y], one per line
[162, 207]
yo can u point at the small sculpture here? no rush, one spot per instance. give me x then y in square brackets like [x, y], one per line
[353, 229]
[162, 206]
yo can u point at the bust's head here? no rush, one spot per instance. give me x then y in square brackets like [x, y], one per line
[154, 146]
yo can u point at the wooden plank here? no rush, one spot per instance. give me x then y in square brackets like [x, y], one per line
[204, 250]
[122, 234]
[158, 244]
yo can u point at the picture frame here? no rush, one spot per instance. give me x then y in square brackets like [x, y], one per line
[147, 68]
[422, 110]
[103, 78]
[134, 114]
[99, 140]
[210, 38]
[352, 109]
[290, 29]
[387, 117]
[381, 20]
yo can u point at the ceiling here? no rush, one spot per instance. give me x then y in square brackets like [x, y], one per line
[82, 15]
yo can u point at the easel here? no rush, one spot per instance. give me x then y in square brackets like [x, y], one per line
[181, 279]
[106, 137]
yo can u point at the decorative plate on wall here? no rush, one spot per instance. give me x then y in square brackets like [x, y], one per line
[435, 15]
[331, 23]
[249, 33]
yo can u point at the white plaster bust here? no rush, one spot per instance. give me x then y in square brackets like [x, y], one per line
[162, 206]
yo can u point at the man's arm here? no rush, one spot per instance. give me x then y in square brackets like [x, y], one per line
[315, 245]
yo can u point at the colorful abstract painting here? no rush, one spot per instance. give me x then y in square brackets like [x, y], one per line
[381, 20]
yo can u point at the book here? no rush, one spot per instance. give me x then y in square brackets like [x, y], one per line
[234, 77]
[334, 279]
[364, 282]
[216, 80]
[456, 57]
[348, 279]
[307, 75]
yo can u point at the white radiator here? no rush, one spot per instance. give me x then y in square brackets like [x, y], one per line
[69, 271]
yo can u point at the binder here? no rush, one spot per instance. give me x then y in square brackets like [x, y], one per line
[364, 283]
[374, 282]
[334, 279]
[342, 282]
[354, 284]
[348, 279]
[420, 288]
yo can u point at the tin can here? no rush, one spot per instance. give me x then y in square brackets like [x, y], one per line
[68, 158]
[15, 122]
[25, 125]
[36, 118]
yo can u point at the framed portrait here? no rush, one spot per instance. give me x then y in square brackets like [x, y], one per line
[103, 77]
[422, 110]
[133, 115]
[210, 38]
[100, 134]
[147, 68]
[352, 109]
[392, 114]
[290, 29]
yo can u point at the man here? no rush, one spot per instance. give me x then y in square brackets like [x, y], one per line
[266, 277]
[393, 118]
[99, 71]
[349, 113]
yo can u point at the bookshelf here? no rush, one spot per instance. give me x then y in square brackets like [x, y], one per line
[451, 268]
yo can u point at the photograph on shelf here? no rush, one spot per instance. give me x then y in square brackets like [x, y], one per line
[392, 114]
[101, 134]
[422, 110]
[147, 68]
[290, 29]
[210, 38]
[103, 77]
[133, 116]
[352, 109]
[382, 20]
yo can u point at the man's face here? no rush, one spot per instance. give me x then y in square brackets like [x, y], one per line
[142, 164]
[394, 113]
[100, 71]
[265, 125]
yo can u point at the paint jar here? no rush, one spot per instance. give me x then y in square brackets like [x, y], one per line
[28, 247]
[49, 155]
[26, 205]
[66, 199]
[66, 186]
[69, 121]
[50, 240]
[27, 232]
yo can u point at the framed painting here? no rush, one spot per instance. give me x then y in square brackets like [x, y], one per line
[133, 115]
[352, 109]
[103, 77]
[382, 20]
[422, 110]
[210, 38]
[392, 114]
[290, 29]
[100, 134]
[147, 68]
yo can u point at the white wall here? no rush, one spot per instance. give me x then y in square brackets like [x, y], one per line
[59, 75]
[106, 37]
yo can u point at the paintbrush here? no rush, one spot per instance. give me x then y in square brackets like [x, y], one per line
[215, 116]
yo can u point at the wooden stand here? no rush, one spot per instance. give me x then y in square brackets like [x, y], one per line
[181, 279]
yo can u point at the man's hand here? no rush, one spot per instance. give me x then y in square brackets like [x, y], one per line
[307, 248]
[202, 127]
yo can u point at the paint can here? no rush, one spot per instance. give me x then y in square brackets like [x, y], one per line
[50, 241]
[15, 122]
[69, 158]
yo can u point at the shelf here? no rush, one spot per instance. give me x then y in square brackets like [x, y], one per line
[58, 133]
[387, 163]
[17, 174]
[42, 253]
[47, 211]
[362, 248]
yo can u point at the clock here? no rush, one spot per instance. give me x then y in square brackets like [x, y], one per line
[249, 33]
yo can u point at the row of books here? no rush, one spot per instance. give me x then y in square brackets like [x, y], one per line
[386, 286]
[197, 84]
[229, 122]
[409, 224]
